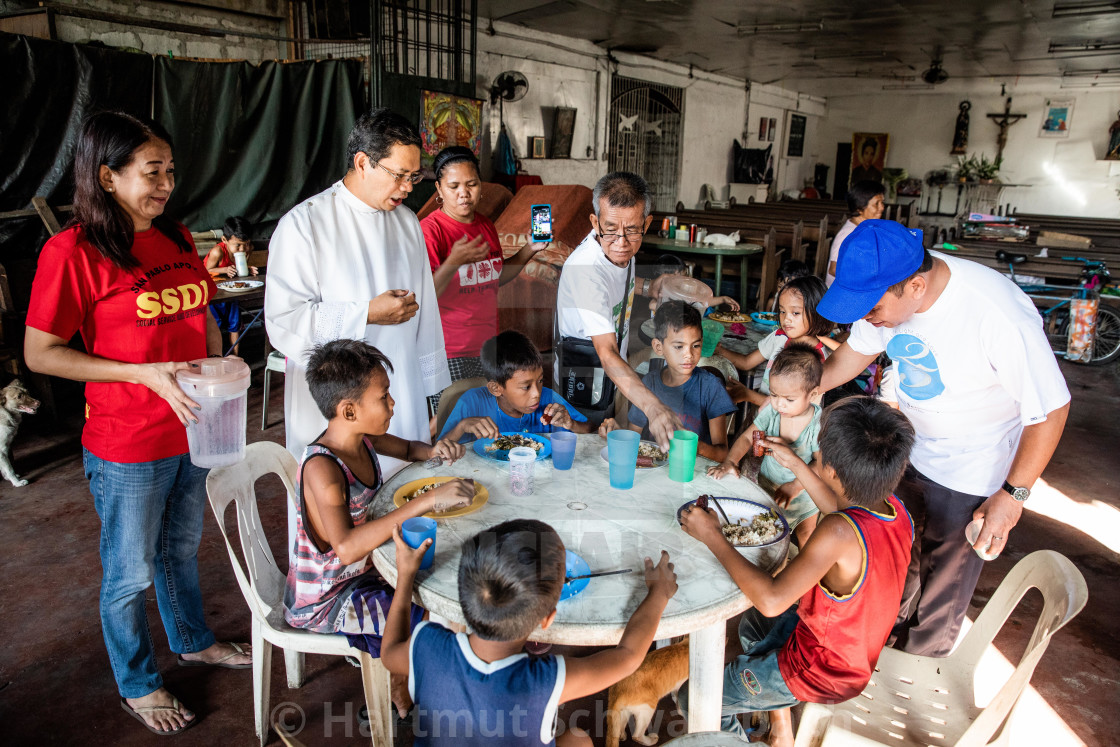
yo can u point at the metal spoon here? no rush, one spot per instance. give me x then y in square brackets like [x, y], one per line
[721, 511]
[570, 579]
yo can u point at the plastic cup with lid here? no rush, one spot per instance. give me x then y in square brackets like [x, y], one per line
[522, 461]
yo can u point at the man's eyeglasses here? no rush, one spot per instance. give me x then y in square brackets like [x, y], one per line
[631, 236]
[401, 178]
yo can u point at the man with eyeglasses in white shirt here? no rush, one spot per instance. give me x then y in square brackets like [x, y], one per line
[596, 293]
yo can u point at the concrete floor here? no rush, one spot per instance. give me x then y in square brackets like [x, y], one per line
[56, 686]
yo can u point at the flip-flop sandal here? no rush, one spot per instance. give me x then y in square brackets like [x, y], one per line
[237, 651]
[136, 713]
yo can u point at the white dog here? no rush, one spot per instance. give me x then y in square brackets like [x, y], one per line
[14, 402]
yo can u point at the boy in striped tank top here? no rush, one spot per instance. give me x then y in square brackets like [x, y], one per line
[332, 585]
[817, 627]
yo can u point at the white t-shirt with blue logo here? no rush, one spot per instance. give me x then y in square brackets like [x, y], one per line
[972, 371]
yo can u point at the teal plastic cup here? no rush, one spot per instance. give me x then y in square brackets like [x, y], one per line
[713, 333]
[622, 454]
[414, 531]
[682, 456]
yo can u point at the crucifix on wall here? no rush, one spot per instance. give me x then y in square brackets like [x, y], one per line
[1004, 120]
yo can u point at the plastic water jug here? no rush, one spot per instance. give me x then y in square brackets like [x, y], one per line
[219, 386]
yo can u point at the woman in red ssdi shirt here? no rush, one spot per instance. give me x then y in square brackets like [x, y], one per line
[466, 259]
[130, 281]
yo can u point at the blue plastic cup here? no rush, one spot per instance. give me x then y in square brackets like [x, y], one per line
[622, 453]
[415, 531]
[563, 449]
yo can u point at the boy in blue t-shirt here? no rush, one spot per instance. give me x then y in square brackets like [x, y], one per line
[514, 399]
[480, 687]
[698, 397]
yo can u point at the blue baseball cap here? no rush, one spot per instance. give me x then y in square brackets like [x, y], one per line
[875, 256]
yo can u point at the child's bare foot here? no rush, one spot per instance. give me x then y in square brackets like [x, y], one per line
[160, 711]
[221, 654]
[398, 692]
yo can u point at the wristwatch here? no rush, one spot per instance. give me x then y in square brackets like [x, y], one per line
[1019, 494]
[646, 283]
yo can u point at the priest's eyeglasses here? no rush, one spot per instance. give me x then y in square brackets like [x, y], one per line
[414, 178]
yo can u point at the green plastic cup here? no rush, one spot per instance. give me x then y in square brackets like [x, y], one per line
[713, 333]
[682, 456]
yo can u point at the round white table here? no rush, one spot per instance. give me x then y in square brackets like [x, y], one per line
[610, 529]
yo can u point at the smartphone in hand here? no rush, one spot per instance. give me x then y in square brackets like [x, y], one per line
[541, 223]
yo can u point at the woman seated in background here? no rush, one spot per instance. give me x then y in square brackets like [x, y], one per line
[865, 201]
[466, 259]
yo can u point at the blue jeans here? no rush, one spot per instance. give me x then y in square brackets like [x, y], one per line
[151, 520]
[753, 681]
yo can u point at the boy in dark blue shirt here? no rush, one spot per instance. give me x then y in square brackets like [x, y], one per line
[479, 687]
[515, 399]
[698, 397]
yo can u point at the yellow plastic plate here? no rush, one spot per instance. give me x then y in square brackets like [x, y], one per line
[481, 495]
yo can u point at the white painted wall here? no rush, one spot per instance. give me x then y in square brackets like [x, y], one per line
[1065, 175]
[570, 72]
[778, 103]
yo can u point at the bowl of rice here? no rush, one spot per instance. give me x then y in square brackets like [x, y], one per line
[750, 524]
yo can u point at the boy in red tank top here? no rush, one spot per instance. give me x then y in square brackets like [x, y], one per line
[817, 627]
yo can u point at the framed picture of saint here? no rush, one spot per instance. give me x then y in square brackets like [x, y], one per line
[869, 156]
[1056, 118]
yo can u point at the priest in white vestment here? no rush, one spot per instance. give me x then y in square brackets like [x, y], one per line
[350, 262]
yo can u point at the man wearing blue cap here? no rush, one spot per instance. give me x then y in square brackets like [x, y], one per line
[977, 378]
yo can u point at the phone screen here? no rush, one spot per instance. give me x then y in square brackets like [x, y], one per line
[542, 222]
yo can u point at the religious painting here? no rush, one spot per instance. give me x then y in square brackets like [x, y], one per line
[536, 147]
[773, 129]
[1056, 116]
[445, 120]
[795, 140]
[563, 127]
[869, 156]
[763, 128]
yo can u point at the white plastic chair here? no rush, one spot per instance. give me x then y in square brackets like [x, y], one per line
[274, 361]
[262, 585]
[920, 700]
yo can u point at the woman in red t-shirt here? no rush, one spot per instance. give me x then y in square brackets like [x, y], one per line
[466, 259]
[130, 281]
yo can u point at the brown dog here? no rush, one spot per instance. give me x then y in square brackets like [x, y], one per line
[14, 402]
[633, 701]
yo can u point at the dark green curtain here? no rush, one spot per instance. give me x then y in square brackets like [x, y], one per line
[254, 140]
[46, 89]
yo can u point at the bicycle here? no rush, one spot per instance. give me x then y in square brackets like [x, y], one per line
[1056, 317]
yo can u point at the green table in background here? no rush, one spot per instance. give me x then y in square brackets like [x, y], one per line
[742, 251]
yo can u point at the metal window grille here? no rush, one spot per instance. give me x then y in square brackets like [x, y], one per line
[428, 38]
[645, 122]
[326, 31]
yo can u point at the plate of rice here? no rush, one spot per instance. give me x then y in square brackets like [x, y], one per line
[417, 488]
[498, 448]
[751, 524]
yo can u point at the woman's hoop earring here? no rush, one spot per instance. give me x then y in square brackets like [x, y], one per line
[439, 199]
